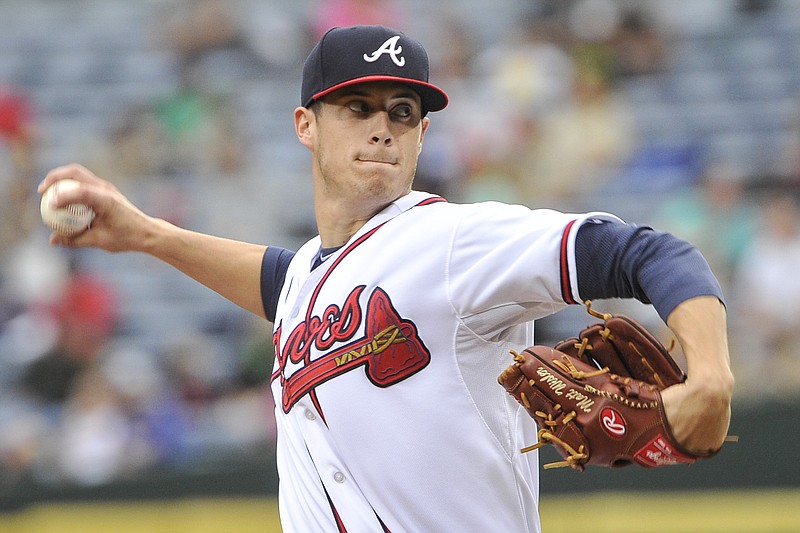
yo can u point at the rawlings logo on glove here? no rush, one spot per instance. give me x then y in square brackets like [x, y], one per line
[596, 398]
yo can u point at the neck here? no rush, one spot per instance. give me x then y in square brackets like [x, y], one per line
[340, 215]
[337, 222]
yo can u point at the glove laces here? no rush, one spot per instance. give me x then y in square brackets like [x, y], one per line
[547, 436]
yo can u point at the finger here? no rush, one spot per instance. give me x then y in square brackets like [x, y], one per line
[72, 171]
[74, 241]
[58, 173]
[86, 193]
[56, 239]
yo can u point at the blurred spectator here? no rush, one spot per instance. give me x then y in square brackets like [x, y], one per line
[579, 148]
[86, 316]
[198, 368]
[33, 279]
[226, 401]
[563, 128]
[244, 414]
[755, 7]
[452, 59]
[18, 151]
[200, 132]
[717, 215]
[17, 128]
[30, 270]
[789, 161]
[767, 286]
[136, 146]
[210, 43]
[197, 129]
[24, 432]
[441, 167]
[199, 26]
[159, 430]
[591, 26]
[45, 351]
[94, 431]
[329, 14]
[529, 71]
[526, 77]
[638, 45]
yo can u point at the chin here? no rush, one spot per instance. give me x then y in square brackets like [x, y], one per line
[380, 193]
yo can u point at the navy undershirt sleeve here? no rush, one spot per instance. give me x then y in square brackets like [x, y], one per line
[617, 260]
[274, 265]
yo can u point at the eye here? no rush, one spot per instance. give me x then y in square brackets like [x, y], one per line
[402, 111]
[358, 106]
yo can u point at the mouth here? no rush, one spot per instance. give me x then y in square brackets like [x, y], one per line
[376, 160]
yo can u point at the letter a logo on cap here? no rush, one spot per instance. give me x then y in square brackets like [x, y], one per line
[388, 47]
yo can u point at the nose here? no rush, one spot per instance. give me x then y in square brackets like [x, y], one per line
[381, 129]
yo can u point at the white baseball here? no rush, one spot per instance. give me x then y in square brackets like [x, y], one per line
[69, 220]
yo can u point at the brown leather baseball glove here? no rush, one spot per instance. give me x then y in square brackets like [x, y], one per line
[596, 397]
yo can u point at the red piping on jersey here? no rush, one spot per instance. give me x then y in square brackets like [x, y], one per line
[385, 529]
[317, 406]
[566, 288]
[336, 517]
[432, 200]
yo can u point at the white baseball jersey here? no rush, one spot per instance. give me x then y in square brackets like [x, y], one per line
[389, 413]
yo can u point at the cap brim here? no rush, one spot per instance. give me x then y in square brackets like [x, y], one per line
[432, 97]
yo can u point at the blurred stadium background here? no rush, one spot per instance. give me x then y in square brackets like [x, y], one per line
[133, 399]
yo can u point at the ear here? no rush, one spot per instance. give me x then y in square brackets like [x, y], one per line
[304, 121]
[425, 123]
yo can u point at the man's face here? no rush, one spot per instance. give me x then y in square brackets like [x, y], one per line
[366, 141]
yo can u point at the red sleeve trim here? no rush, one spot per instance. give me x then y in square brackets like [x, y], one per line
[566, 286]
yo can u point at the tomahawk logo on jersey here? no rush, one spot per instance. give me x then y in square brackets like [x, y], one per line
[390, 348]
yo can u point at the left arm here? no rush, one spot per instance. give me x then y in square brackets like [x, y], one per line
[622, 261]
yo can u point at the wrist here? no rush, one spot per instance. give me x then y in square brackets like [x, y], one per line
[714, 387]
[156, 237]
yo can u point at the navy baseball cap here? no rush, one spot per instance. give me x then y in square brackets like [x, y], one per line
[360, 54]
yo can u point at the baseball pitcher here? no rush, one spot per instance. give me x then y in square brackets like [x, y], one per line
[392, 326]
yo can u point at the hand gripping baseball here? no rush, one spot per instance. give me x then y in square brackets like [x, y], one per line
[117, 225]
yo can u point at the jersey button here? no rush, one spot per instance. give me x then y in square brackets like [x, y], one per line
[338, 477]
[310, 414]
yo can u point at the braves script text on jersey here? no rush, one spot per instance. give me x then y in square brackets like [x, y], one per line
[388, 407]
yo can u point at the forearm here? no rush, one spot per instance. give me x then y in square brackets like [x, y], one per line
[228, 267]
[700, 324]
[699, 410]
